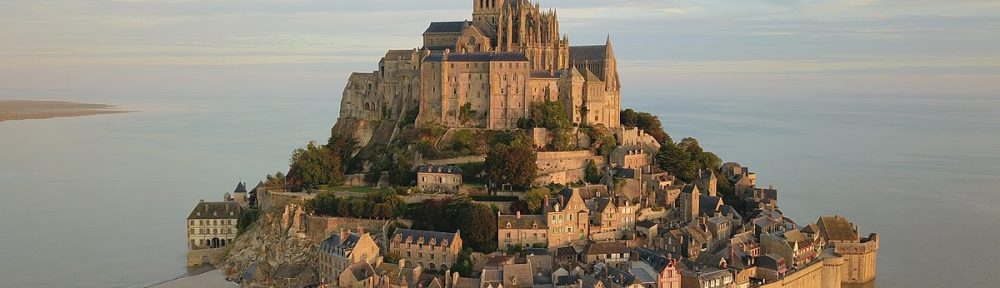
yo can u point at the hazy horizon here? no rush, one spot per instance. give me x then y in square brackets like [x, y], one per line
[880, 110]
[666, 48]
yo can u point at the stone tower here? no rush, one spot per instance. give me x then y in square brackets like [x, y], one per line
[487, 11]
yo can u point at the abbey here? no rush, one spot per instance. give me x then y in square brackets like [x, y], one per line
[488, 72]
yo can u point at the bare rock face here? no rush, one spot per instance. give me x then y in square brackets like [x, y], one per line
[270, 241]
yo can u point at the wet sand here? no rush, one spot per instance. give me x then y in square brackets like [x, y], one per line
[29, 109]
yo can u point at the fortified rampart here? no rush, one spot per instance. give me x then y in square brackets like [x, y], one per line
[564, 167]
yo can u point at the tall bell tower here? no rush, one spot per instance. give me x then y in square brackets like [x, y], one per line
[487, 11]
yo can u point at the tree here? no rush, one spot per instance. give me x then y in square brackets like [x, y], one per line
[675, 160]
[314, 165]
[535, 199]
[463, 263]
[479, 227]
[248, 218]
[647, 122]
[591, 174]
[512, 164]
[602, 139]
[344, 147]
[326, 203]
[382, 211]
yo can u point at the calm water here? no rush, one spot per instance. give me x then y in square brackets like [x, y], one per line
[100, 201]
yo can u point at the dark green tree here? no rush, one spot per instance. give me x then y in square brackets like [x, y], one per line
[314, 165]
[512, 164]
[591, 174]
[675, 160]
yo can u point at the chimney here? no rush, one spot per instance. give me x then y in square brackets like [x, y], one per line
[402, 263]
[361, 230]
[343, 234]
[447, 278]
[518, 214]
[454, 278]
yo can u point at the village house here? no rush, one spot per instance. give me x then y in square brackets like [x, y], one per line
[430, 250]
[611, 253]
[567, 217]
[664, 268]
[344, 249]
[523, 230]
[439, 178]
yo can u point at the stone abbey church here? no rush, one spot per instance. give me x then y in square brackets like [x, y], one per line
[487, 73]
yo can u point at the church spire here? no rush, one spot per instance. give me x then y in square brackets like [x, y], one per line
[609, 52]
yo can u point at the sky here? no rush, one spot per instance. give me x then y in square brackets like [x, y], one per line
[666, 48]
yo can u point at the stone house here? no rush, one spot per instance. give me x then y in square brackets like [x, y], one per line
[796, 249]
[439, 178]
[567, 216]
[344, 249]
[213, 224]
[293, 276]
[710, 277]
[611, 253]
[436, 251]
[360, 275]
[524, 230]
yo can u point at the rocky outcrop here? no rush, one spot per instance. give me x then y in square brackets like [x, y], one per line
[270, 240]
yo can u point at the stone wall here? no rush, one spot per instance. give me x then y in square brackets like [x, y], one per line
[319, 227]
[211, 256]
[564, 167]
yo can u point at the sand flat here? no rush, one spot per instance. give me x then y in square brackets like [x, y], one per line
[31, 109]
[211, 279]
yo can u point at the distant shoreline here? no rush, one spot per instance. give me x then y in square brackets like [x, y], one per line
[11, 110]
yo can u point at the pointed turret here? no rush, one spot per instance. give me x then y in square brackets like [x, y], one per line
[609, 52]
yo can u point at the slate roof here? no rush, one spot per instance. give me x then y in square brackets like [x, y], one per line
[362, 270]
[522, 222]
[425, 236]
[645, 224]
[587, 53]
[709, 205]
[215, 210]
[399, 54]
[288, 271]
[586, 192]
[620, 277]
[446, 169]
[545, 74]
[334, 242]
[656, 260]
[240, 188]
[446, 27]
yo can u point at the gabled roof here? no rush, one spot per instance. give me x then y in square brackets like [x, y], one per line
[837, 228]
[587, 53]
[362, 270]
[522, 222]
[447, 27]
[656, 260]
[444, 169]
[215, 210]
[425, 237]
[600, 248]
